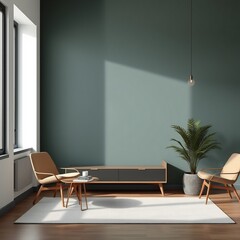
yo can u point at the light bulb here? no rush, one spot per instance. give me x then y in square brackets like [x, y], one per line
[191, 81]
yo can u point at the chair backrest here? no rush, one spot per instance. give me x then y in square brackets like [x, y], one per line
[231, 166]
[42, 162]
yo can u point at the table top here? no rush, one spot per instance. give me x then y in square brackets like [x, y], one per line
[77, 180]
[163, 165]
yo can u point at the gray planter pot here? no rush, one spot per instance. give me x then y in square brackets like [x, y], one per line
[191, 184]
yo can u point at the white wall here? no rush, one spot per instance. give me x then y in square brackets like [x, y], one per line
[31, 9]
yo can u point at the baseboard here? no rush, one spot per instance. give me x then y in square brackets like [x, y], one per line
[16, 200]
[7, 208]
[173, 187]
[23, 195]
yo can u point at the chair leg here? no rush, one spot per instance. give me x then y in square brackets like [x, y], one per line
[61, 193]
[208, 190]
[235, 192]
[203, 185]
[55, 193]
[37, 195]
[229, 192]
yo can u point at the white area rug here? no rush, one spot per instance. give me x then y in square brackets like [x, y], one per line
[127, 210]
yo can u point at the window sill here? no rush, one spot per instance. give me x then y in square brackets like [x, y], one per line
[3, 156]
[22, 150]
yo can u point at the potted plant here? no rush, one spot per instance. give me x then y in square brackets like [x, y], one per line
[196, 143]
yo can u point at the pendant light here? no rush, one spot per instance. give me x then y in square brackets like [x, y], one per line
[191, 81]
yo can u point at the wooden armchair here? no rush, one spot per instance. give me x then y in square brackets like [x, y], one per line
[225, 177]
[48, 175]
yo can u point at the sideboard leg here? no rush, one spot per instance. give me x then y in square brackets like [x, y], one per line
[161, 188]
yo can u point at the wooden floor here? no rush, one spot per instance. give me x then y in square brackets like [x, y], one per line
[9, 230]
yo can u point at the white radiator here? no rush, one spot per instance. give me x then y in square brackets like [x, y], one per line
[22, 173]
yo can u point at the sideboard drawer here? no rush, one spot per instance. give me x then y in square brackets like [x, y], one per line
[103, 174]
[142, 175]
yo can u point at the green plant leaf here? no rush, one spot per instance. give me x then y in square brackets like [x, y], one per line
[196, 142]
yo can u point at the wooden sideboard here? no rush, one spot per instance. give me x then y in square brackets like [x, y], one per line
[127, 174]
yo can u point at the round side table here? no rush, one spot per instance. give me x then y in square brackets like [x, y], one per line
[79, 187]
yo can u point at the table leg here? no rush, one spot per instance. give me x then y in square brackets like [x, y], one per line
[79, 194]
[61, 193]
[77, 188]
[77, 191]
[69, 193]
[85, 194]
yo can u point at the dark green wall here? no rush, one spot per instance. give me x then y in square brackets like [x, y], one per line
[114, 73]
[72, 81]
[216, 65]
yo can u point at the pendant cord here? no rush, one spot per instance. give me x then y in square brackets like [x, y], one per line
[191, 37]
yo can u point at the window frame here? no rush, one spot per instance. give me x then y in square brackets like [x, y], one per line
[3, 114]
[16, 110]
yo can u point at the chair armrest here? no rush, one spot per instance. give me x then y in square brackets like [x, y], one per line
[207, 169]
[69, 168]
[46, 173]
[229, 172]
[211, 170]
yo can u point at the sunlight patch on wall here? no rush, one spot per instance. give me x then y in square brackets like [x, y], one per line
[140, 107]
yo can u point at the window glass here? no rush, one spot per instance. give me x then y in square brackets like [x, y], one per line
[2, 81]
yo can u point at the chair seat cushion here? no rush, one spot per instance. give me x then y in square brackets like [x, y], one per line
[214, 178]
[53, 179]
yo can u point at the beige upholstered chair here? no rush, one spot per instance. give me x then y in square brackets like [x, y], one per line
[48, 175]
[224, 177]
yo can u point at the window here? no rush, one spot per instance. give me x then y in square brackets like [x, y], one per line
[15, 55]
[25, 75]
[2, 80]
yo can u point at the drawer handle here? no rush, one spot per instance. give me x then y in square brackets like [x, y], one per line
[94, 169]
